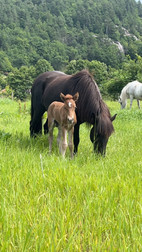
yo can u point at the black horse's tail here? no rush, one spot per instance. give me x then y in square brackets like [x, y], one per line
[32, 113]
[37, 108]
[32, 108]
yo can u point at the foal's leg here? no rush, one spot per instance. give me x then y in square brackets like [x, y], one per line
[138, 102]
[64, 143]
[71, 141]
[59, 135]
[51, 127]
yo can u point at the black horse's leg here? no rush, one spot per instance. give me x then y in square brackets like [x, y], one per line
[36, 123]
[92, 134]
[36, 126]
[46, 127]
[76, 137]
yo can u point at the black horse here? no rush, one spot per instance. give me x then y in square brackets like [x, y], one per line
[90, 106]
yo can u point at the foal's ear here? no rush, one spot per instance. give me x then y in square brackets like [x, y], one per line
[113, 117]
[62, 96]
[76, 96]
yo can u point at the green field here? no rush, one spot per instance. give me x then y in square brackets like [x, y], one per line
[89, 203]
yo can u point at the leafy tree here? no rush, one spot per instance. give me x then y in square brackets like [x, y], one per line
[76, 65]
[57, 55]
[3, 81]
[131, 70]
[114, 86]
[98, 70]
[71, 67]
[42, 66]
[139, 68]
[20, 81]
[5, 64]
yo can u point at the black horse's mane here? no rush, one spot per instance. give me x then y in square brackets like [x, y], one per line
[90, 105]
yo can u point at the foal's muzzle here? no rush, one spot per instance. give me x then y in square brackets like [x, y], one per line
[70, 120]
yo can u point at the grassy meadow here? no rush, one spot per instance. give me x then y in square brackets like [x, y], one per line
[89, 203]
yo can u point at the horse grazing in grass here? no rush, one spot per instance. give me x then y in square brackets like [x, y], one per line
[64, 115]
[90, 106]
[132, 90]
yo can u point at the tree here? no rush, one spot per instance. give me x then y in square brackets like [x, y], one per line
[42, 66]
[76, 65]
[98, 70]
[130, 71]
[139, 68]
[5, 64]
[21, 81]
[3, 81]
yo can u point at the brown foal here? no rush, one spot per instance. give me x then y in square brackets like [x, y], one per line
[63, 114]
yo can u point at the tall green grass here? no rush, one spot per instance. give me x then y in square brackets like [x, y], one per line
[90, 203]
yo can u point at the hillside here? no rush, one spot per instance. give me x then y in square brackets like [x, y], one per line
[61, 31]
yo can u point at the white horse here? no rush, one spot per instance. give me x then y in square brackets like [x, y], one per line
[132, 90]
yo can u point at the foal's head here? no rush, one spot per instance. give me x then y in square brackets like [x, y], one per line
[70, 106]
